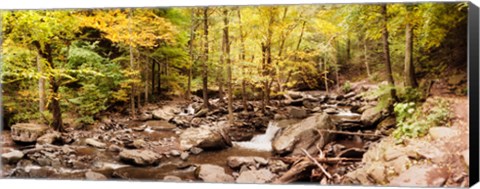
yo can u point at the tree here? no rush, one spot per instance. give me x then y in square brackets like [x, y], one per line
[206, 104]
[386, 52]
[409, 72]
[226, 42]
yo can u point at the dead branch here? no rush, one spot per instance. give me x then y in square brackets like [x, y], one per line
[317, 163]
[351, 133]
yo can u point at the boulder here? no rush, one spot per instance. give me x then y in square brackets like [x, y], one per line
[371, 116]
[90, 175]
[139, 157]
[172, 178]
[27, 132]
[12, 157]
[160, 125]
[421, 176]
[304, 135]
[95, 143]
[277, 166]
[49, 138]
[443, 133]
[165, 113]
[297, 113]
[238, 161]
[213, 173]
[255, 176]
[184, 155]
[203, 137]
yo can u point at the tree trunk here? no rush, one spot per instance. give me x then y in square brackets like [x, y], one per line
[365, 56]
[153, 77]
[229, 66]
[192, 57]
[54, 107]
[268, 52]
[242, 58]
[132, 92]
[325, 73]
[206, 104]
[41, 86]
[386, 51]
[159, 82]
[409, 73]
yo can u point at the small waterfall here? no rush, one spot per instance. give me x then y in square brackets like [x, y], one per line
[261, 142]
[189, 111]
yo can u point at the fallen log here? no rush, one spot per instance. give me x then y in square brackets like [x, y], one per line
[295, 172]
[332, 160]
[350, 133]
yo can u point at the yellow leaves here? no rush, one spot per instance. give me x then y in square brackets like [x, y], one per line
[138, 27]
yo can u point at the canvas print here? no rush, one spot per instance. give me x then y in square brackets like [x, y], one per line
[324, 94]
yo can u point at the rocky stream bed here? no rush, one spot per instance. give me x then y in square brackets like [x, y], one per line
[305, 137]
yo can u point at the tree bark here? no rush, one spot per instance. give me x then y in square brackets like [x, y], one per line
[365, 56]
[192, 56]
[57, 122]
[409, 72]
[242, 58]
[206, 104]
[229, 66]
[132, 91]
[41, 86]
[386, 51]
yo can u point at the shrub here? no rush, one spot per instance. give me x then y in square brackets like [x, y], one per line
[346, 87]
[411, 119]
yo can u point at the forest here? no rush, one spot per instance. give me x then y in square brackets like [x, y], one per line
[246, 94]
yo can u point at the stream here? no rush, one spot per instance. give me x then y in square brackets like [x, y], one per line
[74, 160]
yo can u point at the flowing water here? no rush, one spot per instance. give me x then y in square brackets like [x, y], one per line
[261, 142]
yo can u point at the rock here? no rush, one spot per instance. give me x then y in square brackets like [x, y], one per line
[12, 157]
[114, 148]
[277, 166]
[304, 135]
[237, 161]
[255, 176]
[184, 155]
[172, 178]
[174, 153]
[196, 150]
[139, 157]
[213, 173]
[399, 164]
[160, 125]
[165, 113]
[421, 176]
[279, 117]
[330, 111]
[90, 175]
[443, 133]
[377, 172]
[392, 153]
[139, 144]
[95, 143]
[350, 95]
[466, 157]
[387, 123]
[27, 132]
[145, 117]
[297, 113]
[371, 116]
[49, 138]
[203, 137]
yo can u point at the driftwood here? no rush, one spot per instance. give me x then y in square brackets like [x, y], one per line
[317, 163]
[351, 133]
[319, 160]
[295, 172]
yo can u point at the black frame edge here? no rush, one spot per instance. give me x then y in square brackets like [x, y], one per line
[473, 92]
